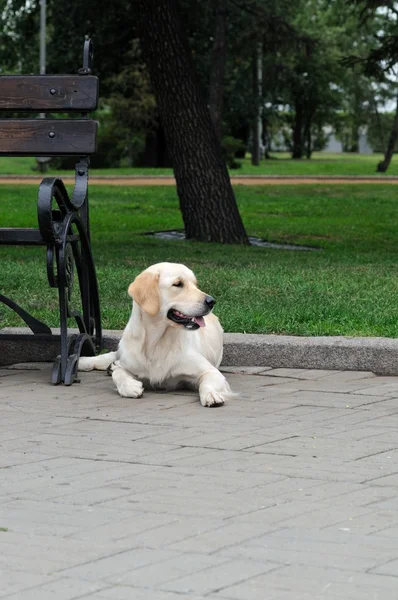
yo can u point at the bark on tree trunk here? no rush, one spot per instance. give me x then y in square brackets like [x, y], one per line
[307, 135]
[267, 140]
[257, 93]
[380, 128]
[217, 74]
[207, 200]
[385, 163]
[354, 147]
[308, 151]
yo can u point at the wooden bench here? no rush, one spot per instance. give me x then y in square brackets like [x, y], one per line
[63, 221]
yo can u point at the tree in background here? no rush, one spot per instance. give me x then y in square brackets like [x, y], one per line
[218, 63]
[132, 106]
[379, 58]
[305, 85]
[207, 200]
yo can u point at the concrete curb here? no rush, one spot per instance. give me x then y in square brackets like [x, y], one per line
[379, 355]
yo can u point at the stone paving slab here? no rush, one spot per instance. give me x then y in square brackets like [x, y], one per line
[290, 491]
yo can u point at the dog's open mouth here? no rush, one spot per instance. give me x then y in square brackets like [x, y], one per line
[185, 320]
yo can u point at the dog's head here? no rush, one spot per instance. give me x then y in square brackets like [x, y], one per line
[170, 291]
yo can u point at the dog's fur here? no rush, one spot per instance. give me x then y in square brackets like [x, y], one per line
[157, 352]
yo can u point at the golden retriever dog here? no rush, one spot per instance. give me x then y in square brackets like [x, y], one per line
[172, 339]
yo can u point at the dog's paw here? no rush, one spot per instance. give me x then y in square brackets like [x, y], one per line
[130, 388]
[212, 399]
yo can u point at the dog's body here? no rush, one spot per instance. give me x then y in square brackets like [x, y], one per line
[171, 340]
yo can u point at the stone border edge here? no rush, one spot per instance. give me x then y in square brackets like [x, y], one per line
[379, 355]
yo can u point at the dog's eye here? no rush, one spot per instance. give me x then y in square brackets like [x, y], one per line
[178, 284]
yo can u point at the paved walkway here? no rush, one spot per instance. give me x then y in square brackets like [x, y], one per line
[289, 492]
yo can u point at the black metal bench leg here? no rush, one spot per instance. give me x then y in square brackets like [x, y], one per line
[36, 326]
[73, 251]
[72, 346]
[60, 363]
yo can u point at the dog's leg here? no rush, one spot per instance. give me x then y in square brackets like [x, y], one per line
[214, 389]
[98, 363]
[127, 386]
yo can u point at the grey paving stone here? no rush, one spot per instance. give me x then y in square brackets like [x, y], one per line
[110, 566]
[245, 370]
[280, 588]
[175, 531]
[342, 375]
[63, 588]
[291, 373]
[325, 548]
[386, 389]
[15, 581]
[289, 491]
[123, 592]
[336, 399]
[362, 545]
[217, 538]
[169, 570]
[319, 557]
[388, 568]
[128, 528]
[387, 533]
[374, 521]
[219, 576]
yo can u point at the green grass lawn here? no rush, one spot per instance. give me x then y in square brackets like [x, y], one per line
[349, 287]
[280, 164]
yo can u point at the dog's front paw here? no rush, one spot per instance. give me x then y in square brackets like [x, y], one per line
[212, 399]
[130, 388]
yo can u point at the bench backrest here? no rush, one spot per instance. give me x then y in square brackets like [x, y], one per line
[48, 93]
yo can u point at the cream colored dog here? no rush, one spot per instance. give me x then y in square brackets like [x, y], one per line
[171, 340]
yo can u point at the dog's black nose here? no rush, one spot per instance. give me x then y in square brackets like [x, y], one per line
[210, 302]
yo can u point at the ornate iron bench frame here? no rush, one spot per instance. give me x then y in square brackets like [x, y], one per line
[63, 221]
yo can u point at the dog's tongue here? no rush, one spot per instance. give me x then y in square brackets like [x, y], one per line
[200, 321]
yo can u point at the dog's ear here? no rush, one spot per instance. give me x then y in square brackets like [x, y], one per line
[145, 291]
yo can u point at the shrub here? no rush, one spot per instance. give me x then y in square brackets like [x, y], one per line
[230, 146]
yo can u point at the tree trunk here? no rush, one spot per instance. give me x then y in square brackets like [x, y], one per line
[298, 144]
[356, 116]
[257, 95]
[207, 200]
[380, 128]
[307, 135]
[385, 163]
[217, 74]
[308, 151]
[354, 146]
[266, 140]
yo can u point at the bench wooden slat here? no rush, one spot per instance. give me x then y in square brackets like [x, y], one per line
[47, 137]
[53, 93]
[17, 235]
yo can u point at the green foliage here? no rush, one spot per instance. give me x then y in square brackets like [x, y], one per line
[19, 29]
[132, 107]
[322, 64]
[230, 147]
[128, 105]
[380, 126]
[378, 20]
